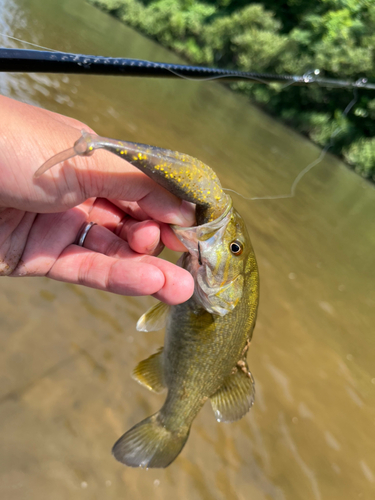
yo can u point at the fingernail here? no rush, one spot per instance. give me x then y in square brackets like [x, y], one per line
[187, 210]
[155, 249]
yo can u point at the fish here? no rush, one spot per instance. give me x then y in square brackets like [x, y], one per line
[204, 356]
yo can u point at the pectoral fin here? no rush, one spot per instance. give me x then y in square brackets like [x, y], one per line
[236, 396]
[154, 319]
[150, 372]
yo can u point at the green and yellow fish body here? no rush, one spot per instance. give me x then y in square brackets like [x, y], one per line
[207, 337]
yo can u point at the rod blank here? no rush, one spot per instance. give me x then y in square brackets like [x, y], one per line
[37, 61]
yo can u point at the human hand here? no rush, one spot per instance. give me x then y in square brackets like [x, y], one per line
[40, 219]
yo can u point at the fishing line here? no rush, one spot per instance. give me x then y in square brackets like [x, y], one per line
[217, 77]
[310, 166]
[28, 43]
[309, 77]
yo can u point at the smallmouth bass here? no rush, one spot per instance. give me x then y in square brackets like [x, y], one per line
[207, 337]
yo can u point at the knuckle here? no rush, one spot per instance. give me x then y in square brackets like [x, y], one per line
[122, 228]
[85, 268]
[115, 248]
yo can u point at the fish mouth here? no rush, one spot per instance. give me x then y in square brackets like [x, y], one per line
[191, 236]
[215, 296]
[208, 225]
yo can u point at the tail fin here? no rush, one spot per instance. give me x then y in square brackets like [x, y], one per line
[149, 444]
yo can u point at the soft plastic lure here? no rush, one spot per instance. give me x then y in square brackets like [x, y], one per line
[186, 177]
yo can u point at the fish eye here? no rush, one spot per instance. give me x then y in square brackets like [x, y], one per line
[236, 247]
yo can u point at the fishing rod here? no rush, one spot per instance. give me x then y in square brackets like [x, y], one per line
[38, 61]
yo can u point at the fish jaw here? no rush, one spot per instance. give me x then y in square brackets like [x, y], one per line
[218, 275]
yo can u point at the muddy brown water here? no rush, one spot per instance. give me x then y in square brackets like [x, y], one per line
[67, 352]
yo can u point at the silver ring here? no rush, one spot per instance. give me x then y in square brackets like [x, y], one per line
[85, 232]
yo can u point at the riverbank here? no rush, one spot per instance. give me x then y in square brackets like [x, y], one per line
[295, 40]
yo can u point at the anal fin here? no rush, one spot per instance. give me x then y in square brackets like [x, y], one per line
[150, 372]
[236, 396]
